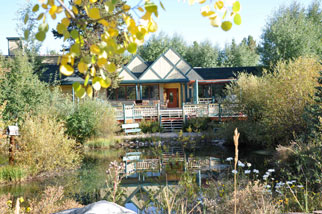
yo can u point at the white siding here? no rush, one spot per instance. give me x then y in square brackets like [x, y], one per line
[162, 67]
[175, 74]
[136, 65]
[172, 56]
[184, 67]
[149, 75]
[125, 75]
[192, 75]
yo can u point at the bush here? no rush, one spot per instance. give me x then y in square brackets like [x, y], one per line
[276, 101]
[91, 118]
[149, 126]
[198, 124]
[43, 145]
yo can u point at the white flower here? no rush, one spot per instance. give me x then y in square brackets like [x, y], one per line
[268, 186]
[241, 164]
[229, 159]
[300, 186]
[289, 182]
[247, 171]
[256, 171]
[234, 171]
[249, 164]
[293, 181]
[271, 170]
[265, 176]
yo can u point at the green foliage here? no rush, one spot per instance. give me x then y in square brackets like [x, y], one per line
[149, 126]
[292, 32]
[44, 146]
[198, 124]
[20, 88]
[275, 102]
[100, 143]
[237, 55]
[12, 174]
[91, 118]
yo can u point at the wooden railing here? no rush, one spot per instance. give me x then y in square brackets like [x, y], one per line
[188, 110]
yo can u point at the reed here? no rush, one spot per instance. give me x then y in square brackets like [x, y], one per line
[236, 137]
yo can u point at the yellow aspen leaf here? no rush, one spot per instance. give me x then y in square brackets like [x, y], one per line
[65, 21]
[59, 9]
[26, 18]
[51, 2]
[236, 6]
[82, 67]
[226, 25]
[66, 35]
[105, 83]
[40, 16]
[191, 2]
[35, 8]
[86, 80]
[67, 59]
[93, 1]
[45, 6]
[109, 6]
[81, 93]
[93, 71]
[66, 69]
[67, 14]
[120, 50]
[41, 1]
[74, 34]
[101, 62]
[216, 22]
[146, 16]
[89, 91]
[202, 1]
[126, 8]
[53, 10]
[78, 2]
[95, 49]
[220, 4]
[96, 83]
[94, 13]
[43, 27]
[140, 9]
[61, 28]
[204, 10]
[113, 32]
[74, 49]
[103, 22]
[152, 26]
[76, 86]
[75, 10]
[40, 36]
[237, 19]
[53, 16]
[139, 35]
[151, 7]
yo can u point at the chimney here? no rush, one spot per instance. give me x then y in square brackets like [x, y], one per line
[14, 44]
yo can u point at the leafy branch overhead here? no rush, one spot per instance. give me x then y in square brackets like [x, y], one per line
[103, 29]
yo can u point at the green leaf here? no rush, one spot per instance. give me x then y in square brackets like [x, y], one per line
[86, 80]
[236, 6]
[132, 47]
[74, 34]
[76, 86]
[26, 18]
[226, 25]
[162, 6]
[40, 36]
[237, 19]
[81, 93]
[26, 34]
[35, 8]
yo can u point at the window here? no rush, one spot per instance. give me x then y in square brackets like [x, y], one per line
[150, 92]
[123, 92]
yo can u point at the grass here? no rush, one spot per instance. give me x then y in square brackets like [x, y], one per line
[100, 143]
[12, 174]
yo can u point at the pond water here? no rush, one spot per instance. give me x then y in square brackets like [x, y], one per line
[84, 185]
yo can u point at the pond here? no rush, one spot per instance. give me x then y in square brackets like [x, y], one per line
[85, 184]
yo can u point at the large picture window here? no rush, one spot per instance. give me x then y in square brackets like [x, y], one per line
[123, 92]
[150, 92]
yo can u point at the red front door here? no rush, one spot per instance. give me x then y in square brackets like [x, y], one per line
[172, 97]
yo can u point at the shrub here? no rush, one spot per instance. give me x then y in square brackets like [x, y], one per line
[43, 145]
[149, 126]
[198, 124]
[275, 102]
[91, 118]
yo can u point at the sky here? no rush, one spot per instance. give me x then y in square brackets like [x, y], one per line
[179, 18]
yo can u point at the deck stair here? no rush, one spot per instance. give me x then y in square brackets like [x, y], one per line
[171, 120]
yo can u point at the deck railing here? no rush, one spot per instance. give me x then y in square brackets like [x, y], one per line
[187, 111]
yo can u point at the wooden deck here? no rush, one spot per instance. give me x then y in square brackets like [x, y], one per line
[138, 112]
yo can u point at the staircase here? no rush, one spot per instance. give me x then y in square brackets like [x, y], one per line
[171, 120]
[174, 153]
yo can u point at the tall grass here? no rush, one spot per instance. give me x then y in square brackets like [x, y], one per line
[12, 174]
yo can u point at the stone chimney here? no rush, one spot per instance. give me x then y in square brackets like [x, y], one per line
[14, 44]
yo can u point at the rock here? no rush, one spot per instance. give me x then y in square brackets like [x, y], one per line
[100, 207]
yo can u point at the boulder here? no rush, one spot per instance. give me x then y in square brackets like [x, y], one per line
[100, 207]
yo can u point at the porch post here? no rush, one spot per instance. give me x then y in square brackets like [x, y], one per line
[181, 93]
[140, 92]
[136, 92]
[185, 92]
[124, 115]
[195, 93]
